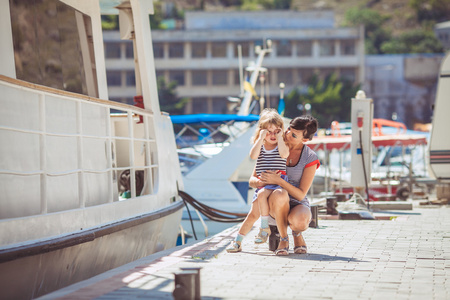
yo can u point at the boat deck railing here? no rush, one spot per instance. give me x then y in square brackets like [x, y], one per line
[71, 149]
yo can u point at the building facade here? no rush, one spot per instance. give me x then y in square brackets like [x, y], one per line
[203, 56]
[203, 59]
[403, 86]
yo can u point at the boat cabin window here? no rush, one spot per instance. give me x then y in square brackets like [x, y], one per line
[53, 51]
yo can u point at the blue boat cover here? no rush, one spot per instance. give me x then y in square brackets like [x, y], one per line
[212, 118]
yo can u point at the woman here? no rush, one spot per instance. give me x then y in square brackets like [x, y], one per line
[294, 208]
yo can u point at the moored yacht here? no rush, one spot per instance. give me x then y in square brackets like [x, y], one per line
[68, 153]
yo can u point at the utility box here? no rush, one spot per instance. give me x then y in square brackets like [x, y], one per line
[361, 147]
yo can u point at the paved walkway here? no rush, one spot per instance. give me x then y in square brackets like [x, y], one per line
[407, 257]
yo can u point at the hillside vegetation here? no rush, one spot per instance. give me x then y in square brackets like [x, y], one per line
[392, 26]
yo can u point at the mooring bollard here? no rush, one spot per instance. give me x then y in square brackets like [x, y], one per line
[274, 238]
[314, 217]
[197, 280]
[185, 285]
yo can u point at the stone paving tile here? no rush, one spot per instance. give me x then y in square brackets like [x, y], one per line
[406, 258]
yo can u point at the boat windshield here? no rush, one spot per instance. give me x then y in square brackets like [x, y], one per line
[53, 51]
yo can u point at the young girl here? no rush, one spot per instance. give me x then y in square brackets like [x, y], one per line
[270, 151]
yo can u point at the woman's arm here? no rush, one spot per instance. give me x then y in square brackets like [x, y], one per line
[256, 148]
[270, 177]
[254, 181]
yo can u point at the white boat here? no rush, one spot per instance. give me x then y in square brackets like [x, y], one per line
[65, 149]
[216, 171]
[398, 154]
[439, 141]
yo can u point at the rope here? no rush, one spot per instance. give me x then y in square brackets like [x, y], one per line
[210, 212]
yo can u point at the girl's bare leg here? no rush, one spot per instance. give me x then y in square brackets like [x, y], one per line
[263, 196]
[252, 217]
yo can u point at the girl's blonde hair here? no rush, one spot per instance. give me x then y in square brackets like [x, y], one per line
[267, 117]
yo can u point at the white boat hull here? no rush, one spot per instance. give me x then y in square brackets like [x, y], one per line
[33, 269]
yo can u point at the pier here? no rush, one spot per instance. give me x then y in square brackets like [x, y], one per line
[402, 255]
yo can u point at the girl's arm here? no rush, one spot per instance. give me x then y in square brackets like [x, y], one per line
[283, 149]
[256, 148]
[270, 177]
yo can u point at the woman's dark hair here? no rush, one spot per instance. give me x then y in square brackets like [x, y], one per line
[307, 123]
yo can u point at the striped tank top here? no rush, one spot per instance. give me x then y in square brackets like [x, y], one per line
[270, 160]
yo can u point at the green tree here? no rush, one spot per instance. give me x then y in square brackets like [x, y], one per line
[110, 22]
[168, 99]
[157, 18]
[435, 10]
[275, 4]
[413, 41]
[330, 99]
[373, 21]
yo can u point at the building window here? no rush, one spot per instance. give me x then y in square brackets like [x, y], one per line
[199, 78]
[219, 49]
[347, 47]
[219, 77]
[325, 72]
[199, 105]
[177, 76]
[158, 50]
[112, 50]
[245, 46]
[348, 74]
[326, 48]
[305, 75]
[198, 50]
[129, 52]
[259, 43]
[236, 77]
[131, 80]
[219, 105]
[285, 76]
[113, 78]
[284, 48]
[304, 48]
[176, 50]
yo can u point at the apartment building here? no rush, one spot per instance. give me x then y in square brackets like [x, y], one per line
[203, 56]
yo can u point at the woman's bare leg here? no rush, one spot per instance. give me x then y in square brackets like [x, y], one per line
[279, 209]
[298, 219]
